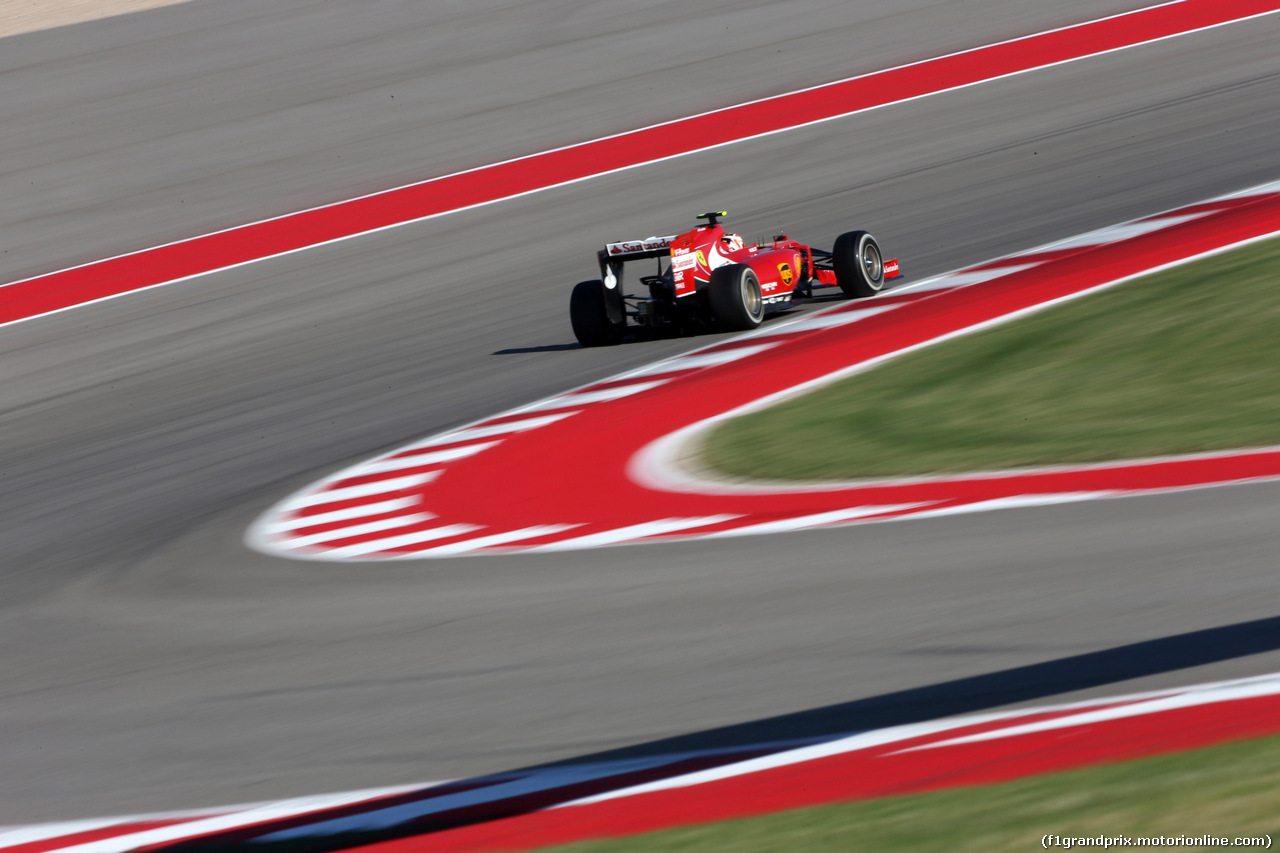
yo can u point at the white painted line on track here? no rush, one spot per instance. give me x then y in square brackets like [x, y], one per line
[1137, 709]
[700, 360]
[964, 279]
[361, 511]
[659, 465]
[467, 546]
[518, 784]
[1127, 231]
[826, 320]
[40, 832]
[221, 822]
[331, 814]
[1266, 685]
[1260, 189]
[600, 395]
[417, 460]
[487, 431]
[394, 542]
[806, 522]
[356, 530]
[394, 484]
[1015, 502]
[632, 532]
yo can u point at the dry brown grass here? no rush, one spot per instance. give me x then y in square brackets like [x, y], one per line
[24, 16]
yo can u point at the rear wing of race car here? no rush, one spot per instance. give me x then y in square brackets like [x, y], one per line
[614, 255]
[630, 250]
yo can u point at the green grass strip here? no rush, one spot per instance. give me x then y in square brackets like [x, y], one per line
[1181, 361]
[1225, 791]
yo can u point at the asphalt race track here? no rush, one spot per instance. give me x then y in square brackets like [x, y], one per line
[151, 661]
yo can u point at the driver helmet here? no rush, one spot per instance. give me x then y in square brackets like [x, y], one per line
[732, 242]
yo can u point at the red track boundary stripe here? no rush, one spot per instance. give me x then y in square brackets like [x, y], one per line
[245, 244]
[527, 809]
[90, 835]
[862, 775]
[521, 492]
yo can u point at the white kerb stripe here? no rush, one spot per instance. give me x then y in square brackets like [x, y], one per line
[828, 320]
[468, 545]
[419, 459]
[634, 531]
[1014, 502]
[43, 831]
[705, 359]
[1139, 709]
[1261, 189]
[600, 395]
[356, 530]
[964, 279]
[257, 814]
[403, 539]
[392, 484]
[911, 731]
[351, 512]
[786, 758]
[1207, 693]
[802, 522]
[1118, 233]
[513, 785]
[489, 430]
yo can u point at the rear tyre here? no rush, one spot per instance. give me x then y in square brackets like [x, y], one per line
[589, 316]
[734, 296]
[858, 263]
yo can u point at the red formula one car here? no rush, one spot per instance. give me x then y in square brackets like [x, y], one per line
[707, 278]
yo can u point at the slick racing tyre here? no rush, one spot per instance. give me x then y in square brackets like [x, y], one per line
[734, 296]
[858, 263]
[590, 317]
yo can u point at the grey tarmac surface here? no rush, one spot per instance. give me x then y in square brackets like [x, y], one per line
[153, 662]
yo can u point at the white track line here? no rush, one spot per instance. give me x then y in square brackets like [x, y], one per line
[1127, 231]
[362, 511]
[1015, 502]
[600, 395]
[468, 545]
[829, 320]
[394, 542]
[1153, 706]
[964, 279]
[701, 360]
[235, 820]
[488, 431]
[356, 530]
[504, 786]
[417, 460]
[632, 532]
[394, 484]
[804, 522]
[1267, 685]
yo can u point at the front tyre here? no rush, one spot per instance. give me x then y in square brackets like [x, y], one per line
[858, 263]
[734, 296]
[589, 315]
